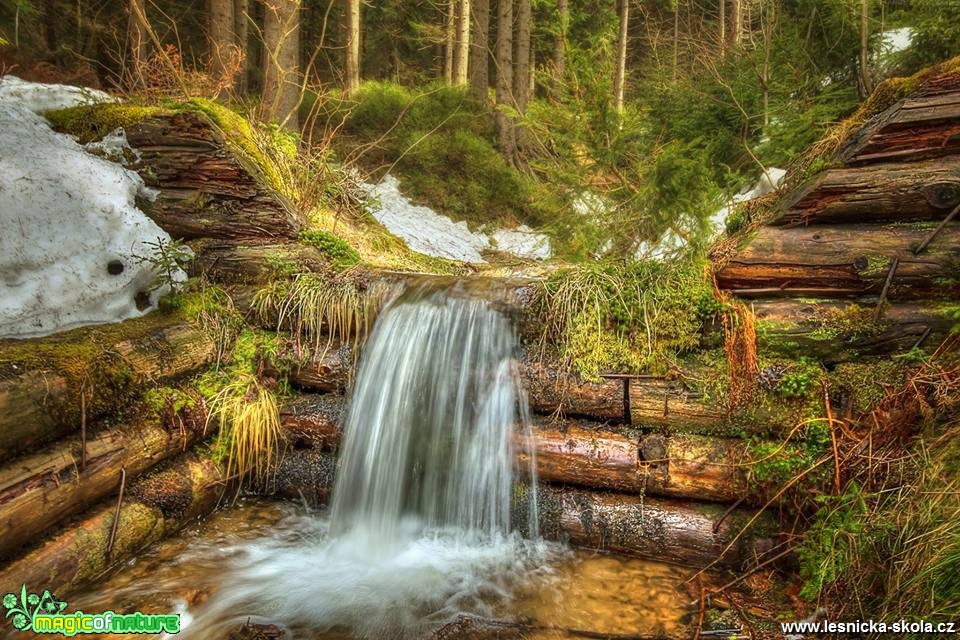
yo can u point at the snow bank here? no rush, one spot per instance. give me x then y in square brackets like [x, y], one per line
[425, 231]
[73, 240]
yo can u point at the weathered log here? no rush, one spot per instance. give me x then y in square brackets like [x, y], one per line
[207, 188]
[156, 506]
[328, 369]
[691, 534]
[313, 421]
[846, 260]
[551, 391]
[916, 128]
[43, 489]
[678, 465]
[670, 531]
[41, 379]
[877, 193]
[841, 331]
[232, 263]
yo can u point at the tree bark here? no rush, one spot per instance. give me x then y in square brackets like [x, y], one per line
[506, 134]
[723, 26]
[916, 128]
[329, 370]
[155, 507]
[450, 40]
[241, 15]
[352, 66]
[221, 25]
[890, 192]
[560, 40]
[620, 72]
[866, 80]
[462, 56]
[40, 404]
[313, 421]
[846, 261]
[233, 263]
[521, 58]
[46, 488]
[737, 15]
[281, 75]
[479, 50]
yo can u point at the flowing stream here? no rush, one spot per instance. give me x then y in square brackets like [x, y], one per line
[419, 528]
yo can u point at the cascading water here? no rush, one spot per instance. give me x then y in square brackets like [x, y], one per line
[419, 527]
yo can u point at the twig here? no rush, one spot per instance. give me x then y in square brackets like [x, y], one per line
[716, 526]
[83, 426]
[833, 440]
[116, 515]
[878, 314]
[921, 339]
[933, 234]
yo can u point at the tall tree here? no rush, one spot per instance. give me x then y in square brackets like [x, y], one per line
[241, 16]
[866, 81]
[462, 53]
[506, 136]
[723, 25]
[737, 16]
[220, 34]
[560, 39]
[281, 73]
[619, 76]
[351, 80]
[479, 50]
[521, 77]
[450, 40]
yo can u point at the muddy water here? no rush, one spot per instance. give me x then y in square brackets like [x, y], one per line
[190, 573]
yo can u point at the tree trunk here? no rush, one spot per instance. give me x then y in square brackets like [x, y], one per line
[676, 39]
[737, 15]
[46, 488]
[137, 41]
[154, 507]
[241, 15]
[866, 80]
[462, 56]
[506, 135]
[221, 24]
[233, 263]
[41, 404]
[894, 192]
[916, 128]
[619, 77]
[479, 50]
[281, 76]
[560, 40]
[848, 260]
[684, 533]
[331, 369]
[521, 59]
[450, 40]
[352, 67]
[723, 26]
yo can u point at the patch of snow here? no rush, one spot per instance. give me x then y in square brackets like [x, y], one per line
[896, 40]
[114, 147]
[70, 223]
[40, 98]
[523, 242]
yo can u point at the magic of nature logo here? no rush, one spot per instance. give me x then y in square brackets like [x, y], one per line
[43, 613]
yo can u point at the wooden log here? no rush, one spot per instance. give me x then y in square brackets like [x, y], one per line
[329, 369]
[156, 506]
[916, 128]
[903, 192]
[691, 534]
[41, 379]
[671, 404]
[678, 465]
[43, 489]
[232, 263]
[206, 188]
[840, 331]
[551, 391]
[844, 259]
[313, 421]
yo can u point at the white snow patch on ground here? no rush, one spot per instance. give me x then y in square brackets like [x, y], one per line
[67, 216]
[896, 40]
[425, 231]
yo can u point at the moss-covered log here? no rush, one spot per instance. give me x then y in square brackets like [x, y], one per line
[233, 263]
[551, 391]
[330, 368]
[43, 489]
[877, 193]
[840, 331]
[846, 260]
[916, 128]
[684, 533]
[41, 380]
[154, 507]
[679, 465]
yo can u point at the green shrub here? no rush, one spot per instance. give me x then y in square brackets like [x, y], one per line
[342, 255]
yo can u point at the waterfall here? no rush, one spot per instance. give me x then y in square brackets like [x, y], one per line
[419, 528]
[427, 438]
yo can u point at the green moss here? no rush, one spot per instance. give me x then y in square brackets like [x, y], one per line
[139, 526]
[341, 254]
[876, 265]
[92, 122]
[867, 383]
[800, 379]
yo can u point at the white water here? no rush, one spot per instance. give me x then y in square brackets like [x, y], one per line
[419, 529]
